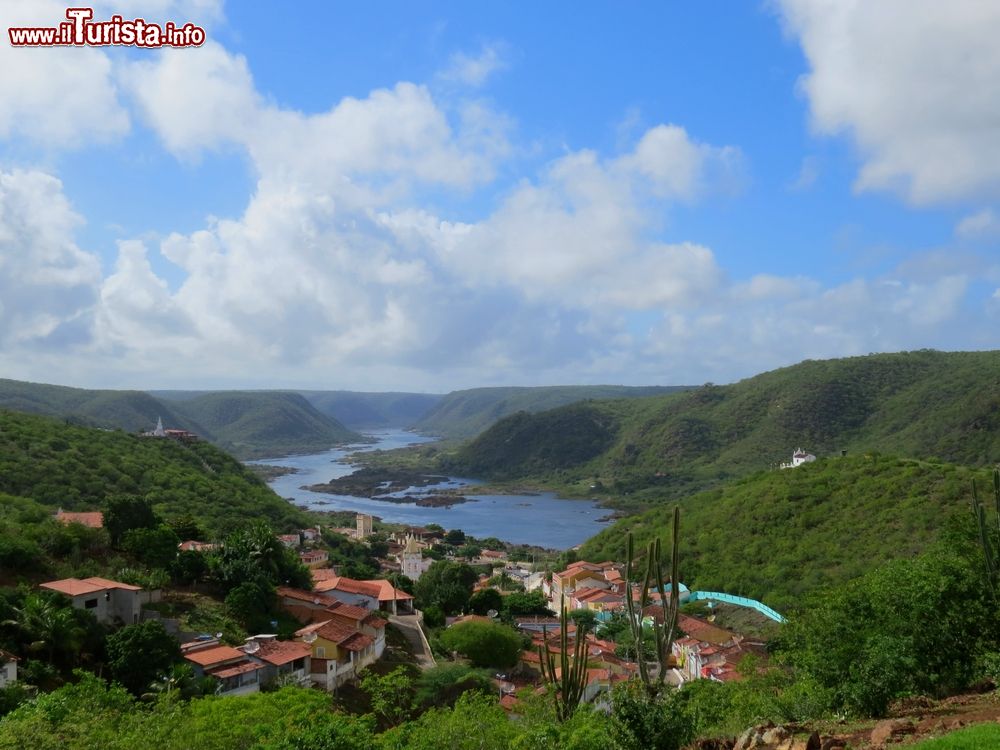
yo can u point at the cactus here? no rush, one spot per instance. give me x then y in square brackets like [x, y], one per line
[985, 536]
[568, 688]
[663, 632]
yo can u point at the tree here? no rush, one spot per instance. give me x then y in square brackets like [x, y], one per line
[254, 552]
[446, 585]
[483, 601]
[485, 644]
[187, 527]
[50, 624]
[528, 603]
[156, 548]
[455, 537]
[189, 567]
[252, 603]
[138, 654]
[442, 685]
[390, 695]
[585, 619]
[125, 512]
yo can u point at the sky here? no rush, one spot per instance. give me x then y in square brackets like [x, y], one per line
[424, 196]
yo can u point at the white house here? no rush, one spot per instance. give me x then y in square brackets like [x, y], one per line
[111, 602]
[799, 457]
[8, 669]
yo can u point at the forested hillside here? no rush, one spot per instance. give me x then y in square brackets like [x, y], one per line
[249, 424]
[779, 534]
[129, 410]
[264, 423]
[924, 404]
[77, 468]
[464, 414]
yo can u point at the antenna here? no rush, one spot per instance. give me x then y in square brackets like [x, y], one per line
[252, 647]
[492, 613]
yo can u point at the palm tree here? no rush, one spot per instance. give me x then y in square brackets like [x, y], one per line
[47, 626]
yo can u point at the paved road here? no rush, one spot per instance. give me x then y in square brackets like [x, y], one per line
[409, 626]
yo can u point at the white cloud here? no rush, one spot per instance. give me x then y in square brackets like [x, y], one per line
[48, 285]
[915, 83]
[476, 70]
[983, 223]
[55, 96]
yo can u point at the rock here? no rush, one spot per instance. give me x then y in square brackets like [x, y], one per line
[775, 736]
[890, 730]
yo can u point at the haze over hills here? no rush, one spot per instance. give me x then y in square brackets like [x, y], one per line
[360, 411]
[467, 413]
[917, 404]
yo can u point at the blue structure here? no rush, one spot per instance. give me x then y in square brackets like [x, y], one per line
[741, 601]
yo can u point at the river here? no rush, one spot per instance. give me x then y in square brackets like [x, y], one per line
[544, 519]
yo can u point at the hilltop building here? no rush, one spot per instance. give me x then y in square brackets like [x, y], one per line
[364, 526]
[799, 457]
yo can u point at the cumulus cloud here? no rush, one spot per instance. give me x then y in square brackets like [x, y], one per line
[57, 97]
[912, 82]
[48, 285]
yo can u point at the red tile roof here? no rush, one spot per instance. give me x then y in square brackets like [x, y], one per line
[357, 642]
[77, 586]
[387, 592]
[312, 597]
[334, 631]
[214, 654]
[282, 652]
[350, 586]
[232, 670]
[93, 520]
[323, 574]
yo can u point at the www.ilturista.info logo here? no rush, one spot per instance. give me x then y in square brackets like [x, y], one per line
[81, 30]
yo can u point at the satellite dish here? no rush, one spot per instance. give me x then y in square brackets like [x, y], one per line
[218, 635]
[492, 613]
[252, 647]
[309, 637]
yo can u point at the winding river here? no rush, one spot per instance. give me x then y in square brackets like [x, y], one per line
[544, 519]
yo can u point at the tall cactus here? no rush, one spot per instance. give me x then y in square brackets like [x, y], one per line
[567, 687]
[985, 536]
[663, 632]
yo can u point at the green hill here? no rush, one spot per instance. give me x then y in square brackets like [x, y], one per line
[76, 468]
[264, 423]
[777, 534]
[464, 414]
[920, 404]
[127, 410]
[249, 424]
[361, 411]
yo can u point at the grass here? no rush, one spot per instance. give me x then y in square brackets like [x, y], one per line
[978, 737]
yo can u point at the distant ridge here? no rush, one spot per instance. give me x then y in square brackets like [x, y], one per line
[923, 404]
[465, 414]
[247, 423]
[365, 411]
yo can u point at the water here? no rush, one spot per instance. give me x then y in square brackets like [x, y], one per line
[545, 519]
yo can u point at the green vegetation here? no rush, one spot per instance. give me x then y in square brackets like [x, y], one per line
[246, 423]
[446, 586]
[465, 414]
[484, 644]
[264, 423]
[777, 535]
[78, 468]
[640, 452]
[361, 411]
[970, 738]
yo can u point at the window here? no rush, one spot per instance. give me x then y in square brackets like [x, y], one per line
[90, 604]
[320, 652]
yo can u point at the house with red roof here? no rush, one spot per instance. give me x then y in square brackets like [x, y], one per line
[235, 672]
[338, 651]
[284, 661]
[111, 602]
[314, 558]
[192, 545]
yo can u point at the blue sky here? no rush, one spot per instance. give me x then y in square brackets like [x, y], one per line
[442, 195]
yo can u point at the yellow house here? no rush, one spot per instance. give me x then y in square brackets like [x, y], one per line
[339, 651]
